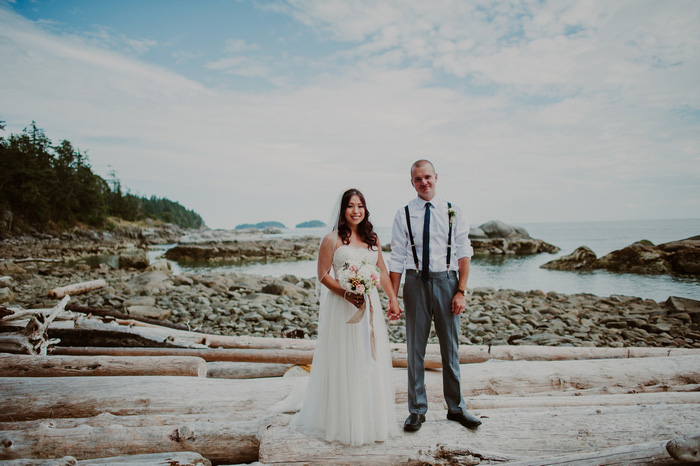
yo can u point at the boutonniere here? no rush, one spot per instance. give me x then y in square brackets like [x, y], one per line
[451, 213]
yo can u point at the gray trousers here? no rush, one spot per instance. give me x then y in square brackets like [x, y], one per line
[425, 303]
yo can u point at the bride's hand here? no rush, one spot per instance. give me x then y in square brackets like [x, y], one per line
[355, 299]
[394, 312]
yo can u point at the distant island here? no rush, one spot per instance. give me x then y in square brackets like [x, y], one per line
[311, 224]
[260, 225]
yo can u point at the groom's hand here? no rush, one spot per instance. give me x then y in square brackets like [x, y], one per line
[394, 312]
[459, 303]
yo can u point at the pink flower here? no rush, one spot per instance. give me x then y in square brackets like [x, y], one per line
[360, 288]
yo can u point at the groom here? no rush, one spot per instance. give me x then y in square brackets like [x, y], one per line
[430, 240]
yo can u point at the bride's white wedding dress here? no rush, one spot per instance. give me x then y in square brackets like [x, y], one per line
[350, 395]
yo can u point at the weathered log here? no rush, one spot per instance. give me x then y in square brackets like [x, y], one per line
[453, 455]
[577, 399]
[121, 315]
[77, 288]
[34, 398]
[510, 377]
[33, 338]
[185, 458]
[432, 361]
[127, 422]
[180, 458]
[223, 442]
[35, 259]
[649, 454]
[219, 354]
[66, 366]
[520, 433]
[244, 341]
[686, 448]
[94, 332]
[65, 461]
[30, 398]
[18, 314]
[467, 353]
[245, 370]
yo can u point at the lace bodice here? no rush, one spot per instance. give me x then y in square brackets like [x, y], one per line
[347, 253]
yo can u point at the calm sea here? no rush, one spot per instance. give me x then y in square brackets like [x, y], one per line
[524, 273]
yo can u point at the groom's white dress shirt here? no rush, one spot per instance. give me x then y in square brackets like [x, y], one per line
[401, 254]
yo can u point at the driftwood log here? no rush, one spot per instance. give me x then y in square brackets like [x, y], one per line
[648, 454]
[123, 316]
[224, 441]
[517, 433]
[686, 448]
[65, 461]
[185, 458]
[300, 357]
[76, 288]
[66, 366]
[34, 398]
[245, 370]
[33, 338]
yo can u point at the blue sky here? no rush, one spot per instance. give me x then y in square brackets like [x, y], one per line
[532, 111]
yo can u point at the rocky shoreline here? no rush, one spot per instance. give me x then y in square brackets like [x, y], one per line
[643, 257]
[242, 304]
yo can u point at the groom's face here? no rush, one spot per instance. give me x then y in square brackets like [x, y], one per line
[423, 179]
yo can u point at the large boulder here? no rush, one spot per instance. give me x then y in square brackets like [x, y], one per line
[134, 259]
[499, 229]
[642, 257]
[581, 259]
[683, 255]
[497, 237]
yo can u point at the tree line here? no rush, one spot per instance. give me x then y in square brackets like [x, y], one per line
[45, 185]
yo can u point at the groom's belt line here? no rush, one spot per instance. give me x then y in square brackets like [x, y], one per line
[442, 274]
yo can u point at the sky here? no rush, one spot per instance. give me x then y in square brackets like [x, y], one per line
[250, 111]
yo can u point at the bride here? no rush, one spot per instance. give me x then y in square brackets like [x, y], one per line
[350, 395]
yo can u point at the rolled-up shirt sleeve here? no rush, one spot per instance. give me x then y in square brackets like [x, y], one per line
[399, 243]
[462, 243]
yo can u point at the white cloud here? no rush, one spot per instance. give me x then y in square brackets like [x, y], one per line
[526, 111]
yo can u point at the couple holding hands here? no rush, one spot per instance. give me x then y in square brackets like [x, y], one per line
[350, 395]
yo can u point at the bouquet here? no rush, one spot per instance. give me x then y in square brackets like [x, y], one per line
[359, 278]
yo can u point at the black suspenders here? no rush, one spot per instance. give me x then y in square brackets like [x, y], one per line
[413, 244]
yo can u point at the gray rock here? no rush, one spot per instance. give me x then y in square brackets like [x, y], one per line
[150, 312]
[6, 295]
[139, 301]
[133, 260]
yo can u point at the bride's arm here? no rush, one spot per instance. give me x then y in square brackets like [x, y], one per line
[325, 262]
[394, 311]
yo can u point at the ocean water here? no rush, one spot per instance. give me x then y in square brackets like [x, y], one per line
[524, 272]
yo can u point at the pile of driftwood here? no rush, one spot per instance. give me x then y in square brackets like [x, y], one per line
[119, 390]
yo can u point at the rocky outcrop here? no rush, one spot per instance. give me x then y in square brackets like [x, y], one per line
[642, 257]
[80, 243]
[496, 237]
[580, 259]
[223, 245]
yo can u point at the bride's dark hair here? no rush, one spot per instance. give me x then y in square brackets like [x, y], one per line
[365, 229]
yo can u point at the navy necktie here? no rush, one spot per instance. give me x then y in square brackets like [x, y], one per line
[426, 244]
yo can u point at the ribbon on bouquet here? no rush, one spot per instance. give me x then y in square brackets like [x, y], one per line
[357, 318]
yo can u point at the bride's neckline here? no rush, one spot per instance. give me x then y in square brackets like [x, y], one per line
[351, 246]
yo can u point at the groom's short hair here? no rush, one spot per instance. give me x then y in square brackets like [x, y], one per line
[420, 163]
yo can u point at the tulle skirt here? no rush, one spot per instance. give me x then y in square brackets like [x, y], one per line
[350, 395]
